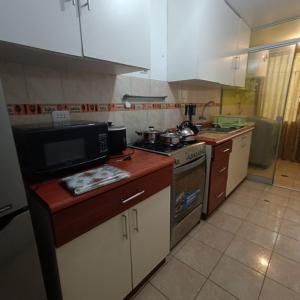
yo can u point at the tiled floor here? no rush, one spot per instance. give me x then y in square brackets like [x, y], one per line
[248, 249]
[287, 174]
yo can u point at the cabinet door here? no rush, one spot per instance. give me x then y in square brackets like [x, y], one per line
[238, 161]
[150, 234]
[244, 154]
[218, 42]
[243, 43]
[50, 25]
[116, 31]
[97, 265]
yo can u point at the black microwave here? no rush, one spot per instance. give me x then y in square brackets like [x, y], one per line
[52, 149]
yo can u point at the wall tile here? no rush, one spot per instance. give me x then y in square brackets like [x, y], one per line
[140, 86]
[122, 86]
[43, 84]
[14, 84]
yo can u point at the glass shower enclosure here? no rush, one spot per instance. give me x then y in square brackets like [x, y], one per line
[267, 83]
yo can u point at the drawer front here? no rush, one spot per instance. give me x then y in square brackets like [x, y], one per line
[74, 221]
[221, 150]
[216, 198]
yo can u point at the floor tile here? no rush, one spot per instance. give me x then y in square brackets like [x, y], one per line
[261, 219]
[290, 229]
[294, 204]
[213, 237]
[270, 208]
[292, 215]
[250, 191]
[288, 247]
[225, 221]
[180, 244]
[177, 281]
[285, 271]
[237, 279]
[277, 190]
[148, 292]
[275, 291]
[254, 185]
[235, 210]
[276, 199]
[242, 199]
[250, 254]
[295, 195]
[199, 256]
[211, 291]
[257, 234]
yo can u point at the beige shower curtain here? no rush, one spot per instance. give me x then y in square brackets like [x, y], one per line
[290, 137]
[273, 93]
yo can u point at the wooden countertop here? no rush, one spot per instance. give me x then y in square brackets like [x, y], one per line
[142, 163]
[215, 138]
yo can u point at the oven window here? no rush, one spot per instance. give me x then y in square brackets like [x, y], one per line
[64, 151]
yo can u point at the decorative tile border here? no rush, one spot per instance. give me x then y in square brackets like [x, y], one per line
[39, 109]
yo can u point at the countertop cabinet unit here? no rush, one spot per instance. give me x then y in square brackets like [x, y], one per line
[238, 161]
[48, 25]
[116, 31]
[204, 46]
[110, 260]
[218, 175]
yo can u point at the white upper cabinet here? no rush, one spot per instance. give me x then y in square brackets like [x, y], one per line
[204, 45]
[242, 58]
[116, 31]
[49, 25]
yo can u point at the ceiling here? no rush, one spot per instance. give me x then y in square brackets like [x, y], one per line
[257, 13]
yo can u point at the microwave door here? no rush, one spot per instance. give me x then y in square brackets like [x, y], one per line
[12, 192]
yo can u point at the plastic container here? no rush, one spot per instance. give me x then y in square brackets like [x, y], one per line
[230, 121]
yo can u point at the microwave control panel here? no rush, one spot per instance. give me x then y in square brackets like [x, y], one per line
[102, 138]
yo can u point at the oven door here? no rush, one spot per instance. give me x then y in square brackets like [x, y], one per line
[187, 189]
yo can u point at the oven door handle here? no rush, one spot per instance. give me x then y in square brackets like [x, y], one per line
[189, 166]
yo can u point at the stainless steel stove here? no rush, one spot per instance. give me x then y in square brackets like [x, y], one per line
[183, 152]
[187, 190]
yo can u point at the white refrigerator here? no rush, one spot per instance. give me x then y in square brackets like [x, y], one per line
[20, 271]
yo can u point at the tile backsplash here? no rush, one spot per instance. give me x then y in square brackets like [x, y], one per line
[46, 88]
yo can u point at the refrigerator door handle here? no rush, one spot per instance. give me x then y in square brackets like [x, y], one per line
[5, 208]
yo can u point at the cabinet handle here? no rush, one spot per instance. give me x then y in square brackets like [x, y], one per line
[125, 233]
[220, 195]
[136, 228]
[222, 170]
[226, 150]
[132, 197]
[88, 4]
[74, 2]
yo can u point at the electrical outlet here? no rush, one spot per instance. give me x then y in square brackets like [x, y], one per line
[60, 116]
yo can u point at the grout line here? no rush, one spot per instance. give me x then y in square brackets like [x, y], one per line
[158, 290]
[212, 270]
[265, 276]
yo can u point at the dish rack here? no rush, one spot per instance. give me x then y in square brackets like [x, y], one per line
[230, 121]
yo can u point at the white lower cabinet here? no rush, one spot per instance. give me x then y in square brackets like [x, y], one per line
[110, 260]
[150, 234]
[238, 161]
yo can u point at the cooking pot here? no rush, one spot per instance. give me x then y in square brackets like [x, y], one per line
[170, 138]
[150, 136]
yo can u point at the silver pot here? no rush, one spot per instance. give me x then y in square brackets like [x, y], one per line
[170, 138]
[150, 136]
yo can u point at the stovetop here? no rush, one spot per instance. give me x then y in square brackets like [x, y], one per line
[182, 152]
